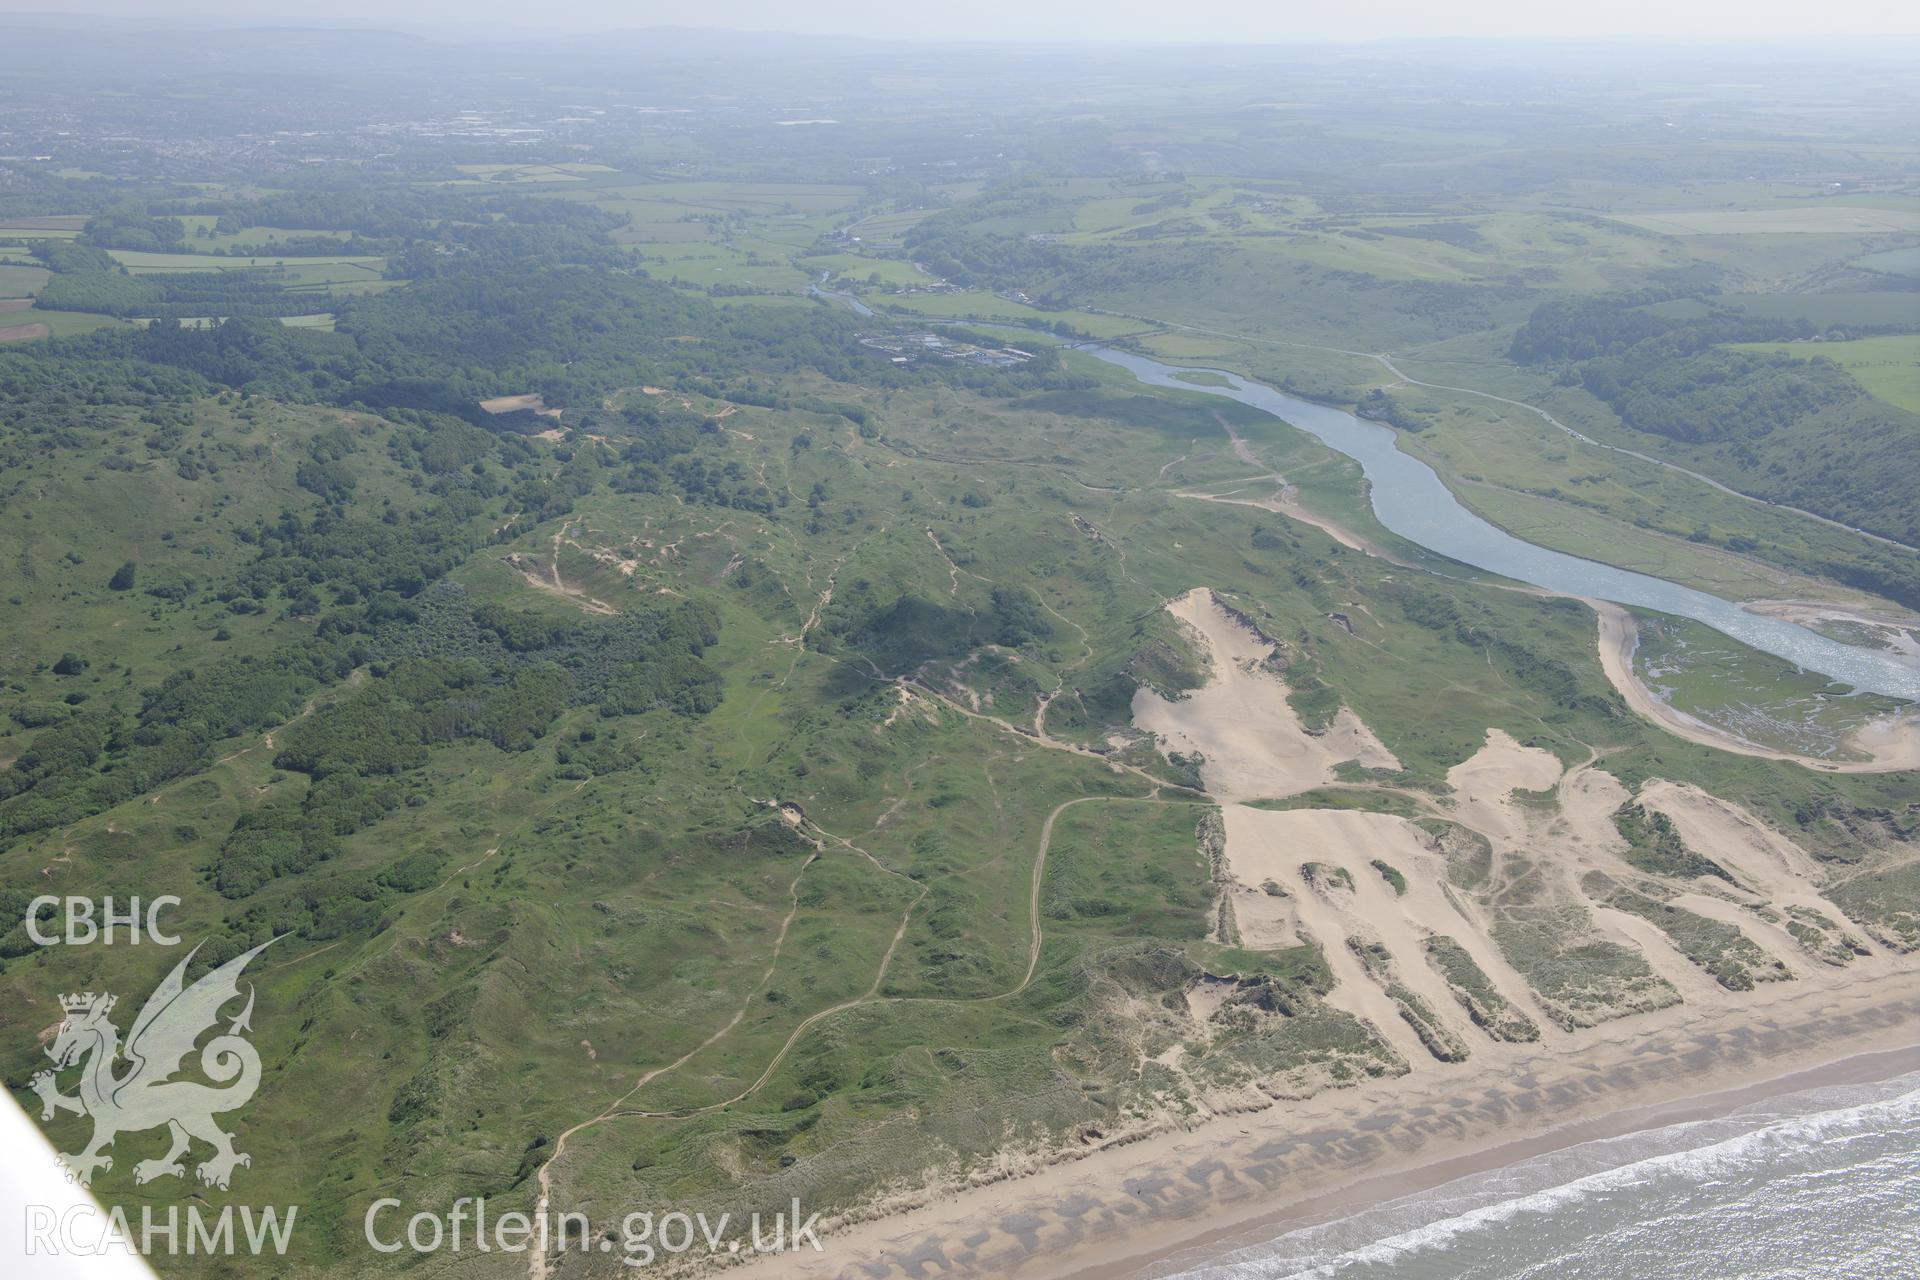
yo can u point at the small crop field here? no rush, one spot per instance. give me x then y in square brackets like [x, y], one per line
[752, 197]
[1877, 308]
[309, 270]
[60, 226]
[1898, 262]
[892, 271]
[961, 307]
[46, 222]
[514, 173]
[888, 226]
[736, 263]
[24, 325]
[201, 233]
[1822, 219]
[21, 282]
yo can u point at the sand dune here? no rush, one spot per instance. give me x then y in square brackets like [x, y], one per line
[1272, 845]
[1100, 1210]
[1760, 858]
[1483, 784]
[1253, 742]
[1264, 920]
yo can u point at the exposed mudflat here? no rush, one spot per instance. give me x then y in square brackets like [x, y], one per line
[1891, 744]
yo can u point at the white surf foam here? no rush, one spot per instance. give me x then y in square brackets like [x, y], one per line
[1697, 1154]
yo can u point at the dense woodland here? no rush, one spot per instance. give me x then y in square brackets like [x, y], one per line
[508, 309]
[1795, 429]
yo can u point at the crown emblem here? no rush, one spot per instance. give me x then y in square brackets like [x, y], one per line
[148, 1095]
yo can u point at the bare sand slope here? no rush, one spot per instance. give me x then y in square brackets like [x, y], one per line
[1264, 920]
[1696, 989]
[1252, 742]
[1264, 845]
[1576, 835]
[1762, 859]
[1273, 845]
[1894, 743]
[1583, 823]
[1483, 784]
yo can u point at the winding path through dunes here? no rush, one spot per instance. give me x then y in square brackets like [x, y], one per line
[537, 1259]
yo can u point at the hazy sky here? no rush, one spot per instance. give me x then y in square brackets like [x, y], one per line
[1135, 20]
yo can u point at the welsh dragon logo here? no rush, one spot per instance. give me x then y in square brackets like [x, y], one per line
[146, 1094]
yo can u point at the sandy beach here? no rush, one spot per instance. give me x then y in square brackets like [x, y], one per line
[1233, 1179]
[1862, 1068]
[1247, 1165]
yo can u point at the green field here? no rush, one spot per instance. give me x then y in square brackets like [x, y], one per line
[306, 270]
[1822, 219]
[1898, 262]
[1888, 367]
[58, 323]
[18, 281]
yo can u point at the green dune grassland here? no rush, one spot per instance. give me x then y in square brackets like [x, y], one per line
[745, 763]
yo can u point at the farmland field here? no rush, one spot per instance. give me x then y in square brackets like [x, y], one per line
[1889, 367]
[1825, 219]
[333, 268]
[20, 281]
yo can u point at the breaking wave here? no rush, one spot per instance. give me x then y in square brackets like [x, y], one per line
[1598, 1195]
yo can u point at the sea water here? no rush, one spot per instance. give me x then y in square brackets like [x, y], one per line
[1822, 1185]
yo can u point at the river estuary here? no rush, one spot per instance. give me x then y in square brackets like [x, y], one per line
[1410, 499]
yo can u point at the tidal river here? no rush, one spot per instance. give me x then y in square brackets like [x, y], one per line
[1410, 499]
